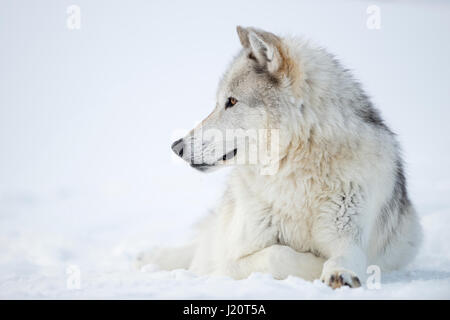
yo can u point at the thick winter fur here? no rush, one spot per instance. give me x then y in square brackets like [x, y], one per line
[338, 201]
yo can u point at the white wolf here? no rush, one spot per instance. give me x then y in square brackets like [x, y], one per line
[337, 201]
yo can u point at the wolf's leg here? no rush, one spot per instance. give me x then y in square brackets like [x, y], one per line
[167, 258]
[338, 232]
[278, 260]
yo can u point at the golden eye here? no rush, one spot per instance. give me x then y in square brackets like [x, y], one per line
[230, 102]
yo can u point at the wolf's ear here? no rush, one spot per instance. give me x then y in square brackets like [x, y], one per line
[243, 36]
[266, 53]
[263, 46]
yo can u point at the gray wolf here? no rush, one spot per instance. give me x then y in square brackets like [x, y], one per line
[337, 200]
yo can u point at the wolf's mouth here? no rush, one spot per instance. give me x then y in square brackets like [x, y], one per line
[229, 155]
[206, 166]
[201, 166]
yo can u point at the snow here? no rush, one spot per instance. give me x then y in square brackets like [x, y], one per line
[87, 178]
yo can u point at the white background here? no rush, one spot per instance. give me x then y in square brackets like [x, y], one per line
[87, 117]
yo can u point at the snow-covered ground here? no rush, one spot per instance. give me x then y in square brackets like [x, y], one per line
[87, 178]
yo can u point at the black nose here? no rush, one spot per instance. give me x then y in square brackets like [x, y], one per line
[177, 147]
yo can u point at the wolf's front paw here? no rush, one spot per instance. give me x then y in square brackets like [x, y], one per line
[338, 278]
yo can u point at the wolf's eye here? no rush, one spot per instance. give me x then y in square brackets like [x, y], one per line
[230, 102]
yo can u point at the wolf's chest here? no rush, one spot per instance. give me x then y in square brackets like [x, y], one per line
[293, 216]
[294, 230]
[282, 210]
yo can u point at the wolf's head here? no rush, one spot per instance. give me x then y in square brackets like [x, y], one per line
[255, 103]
